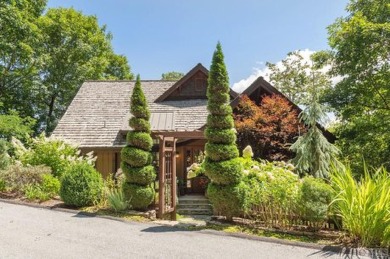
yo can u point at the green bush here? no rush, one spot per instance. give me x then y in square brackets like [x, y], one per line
[220, 136]
[228, 200]
[5, 159]
[139, 175]
[2, 185]
[364, 206]
[50, 185]
[34, 192]
[141, 140]
[116, 200]
[54, 153]
[81, 185]
[220, 121]
[272, 191]
[138, 196]
[139, 124]
[17, 177]
[314, 199]
[136, 157]
[224, 172]
[220, 152]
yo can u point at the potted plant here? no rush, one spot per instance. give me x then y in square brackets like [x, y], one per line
[199, 181]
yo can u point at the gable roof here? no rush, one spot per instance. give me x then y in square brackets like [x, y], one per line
[98, 115]
[101, 109]
[261, 85]
[198, 68]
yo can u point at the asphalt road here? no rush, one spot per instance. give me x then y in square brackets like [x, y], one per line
[27, 232]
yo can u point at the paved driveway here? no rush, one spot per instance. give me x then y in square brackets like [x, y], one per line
[27, 232]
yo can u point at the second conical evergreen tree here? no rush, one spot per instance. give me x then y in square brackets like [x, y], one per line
[136, 155]
[222, 165]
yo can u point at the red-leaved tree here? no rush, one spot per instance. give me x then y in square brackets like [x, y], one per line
[270, 128]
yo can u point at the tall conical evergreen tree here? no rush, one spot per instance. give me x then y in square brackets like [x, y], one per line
[222, 165]
[136, 155]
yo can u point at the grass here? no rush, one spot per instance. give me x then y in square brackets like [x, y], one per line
[266, 233]
[364, 206]
[125, 215]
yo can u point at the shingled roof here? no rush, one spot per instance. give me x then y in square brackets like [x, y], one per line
[100, 111]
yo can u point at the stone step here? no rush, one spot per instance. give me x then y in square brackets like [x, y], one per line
[194, 206]
[195, 211]
[193, 200]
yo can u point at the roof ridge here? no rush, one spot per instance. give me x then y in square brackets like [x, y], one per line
[124, 81]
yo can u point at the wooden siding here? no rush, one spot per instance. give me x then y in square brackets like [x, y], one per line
[105, 162]
[194, 88]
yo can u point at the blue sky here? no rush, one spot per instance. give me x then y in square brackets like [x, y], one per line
[174, 35]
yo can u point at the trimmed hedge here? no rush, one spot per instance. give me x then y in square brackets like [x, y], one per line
[220, 121]
[220, 152]
[138, 196]
[81, 185]
[220, 109]
[141, 140]
[221, 97]
[140, 112]
[228, 200]
[136, 157]
[139, 124]
[224, 172]
[140, 175]
[220, 136]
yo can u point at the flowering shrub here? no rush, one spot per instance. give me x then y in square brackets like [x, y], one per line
[277, 196]
[54, 153]
[273, 191]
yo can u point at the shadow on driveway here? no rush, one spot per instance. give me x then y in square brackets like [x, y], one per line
[350, 253]
[164, 229]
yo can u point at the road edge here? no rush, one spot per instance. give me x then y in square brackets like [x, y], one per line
[371, 252]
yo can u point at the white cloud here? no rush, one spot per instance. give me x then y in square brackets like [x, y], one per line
[264, 71]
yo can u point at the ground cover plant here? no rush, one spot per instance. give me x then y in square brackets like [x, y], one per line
[32, 182]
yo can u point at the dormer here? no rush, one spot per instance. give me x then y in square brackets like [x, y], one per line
[192, 86]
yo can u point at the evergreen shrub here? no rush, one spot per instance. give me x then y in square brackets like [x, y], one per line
[140, 140]
[81, 185]
[220, 136]
[314, 198]
[136, 157]
[138, 196]
[225, 172]
[228, 200]
[139, 175]
[220, 152]
[220, 121]
[139, 124]
[217, 109]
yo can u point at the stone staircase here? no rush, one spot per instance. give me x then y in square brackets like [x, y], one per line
[194, 205]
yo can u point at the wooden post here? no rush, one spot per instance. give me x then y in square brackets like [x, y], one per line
[174, 180]
[161, 177]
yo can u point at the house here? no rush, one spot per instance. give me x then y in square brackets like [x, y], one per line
[97, 120]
